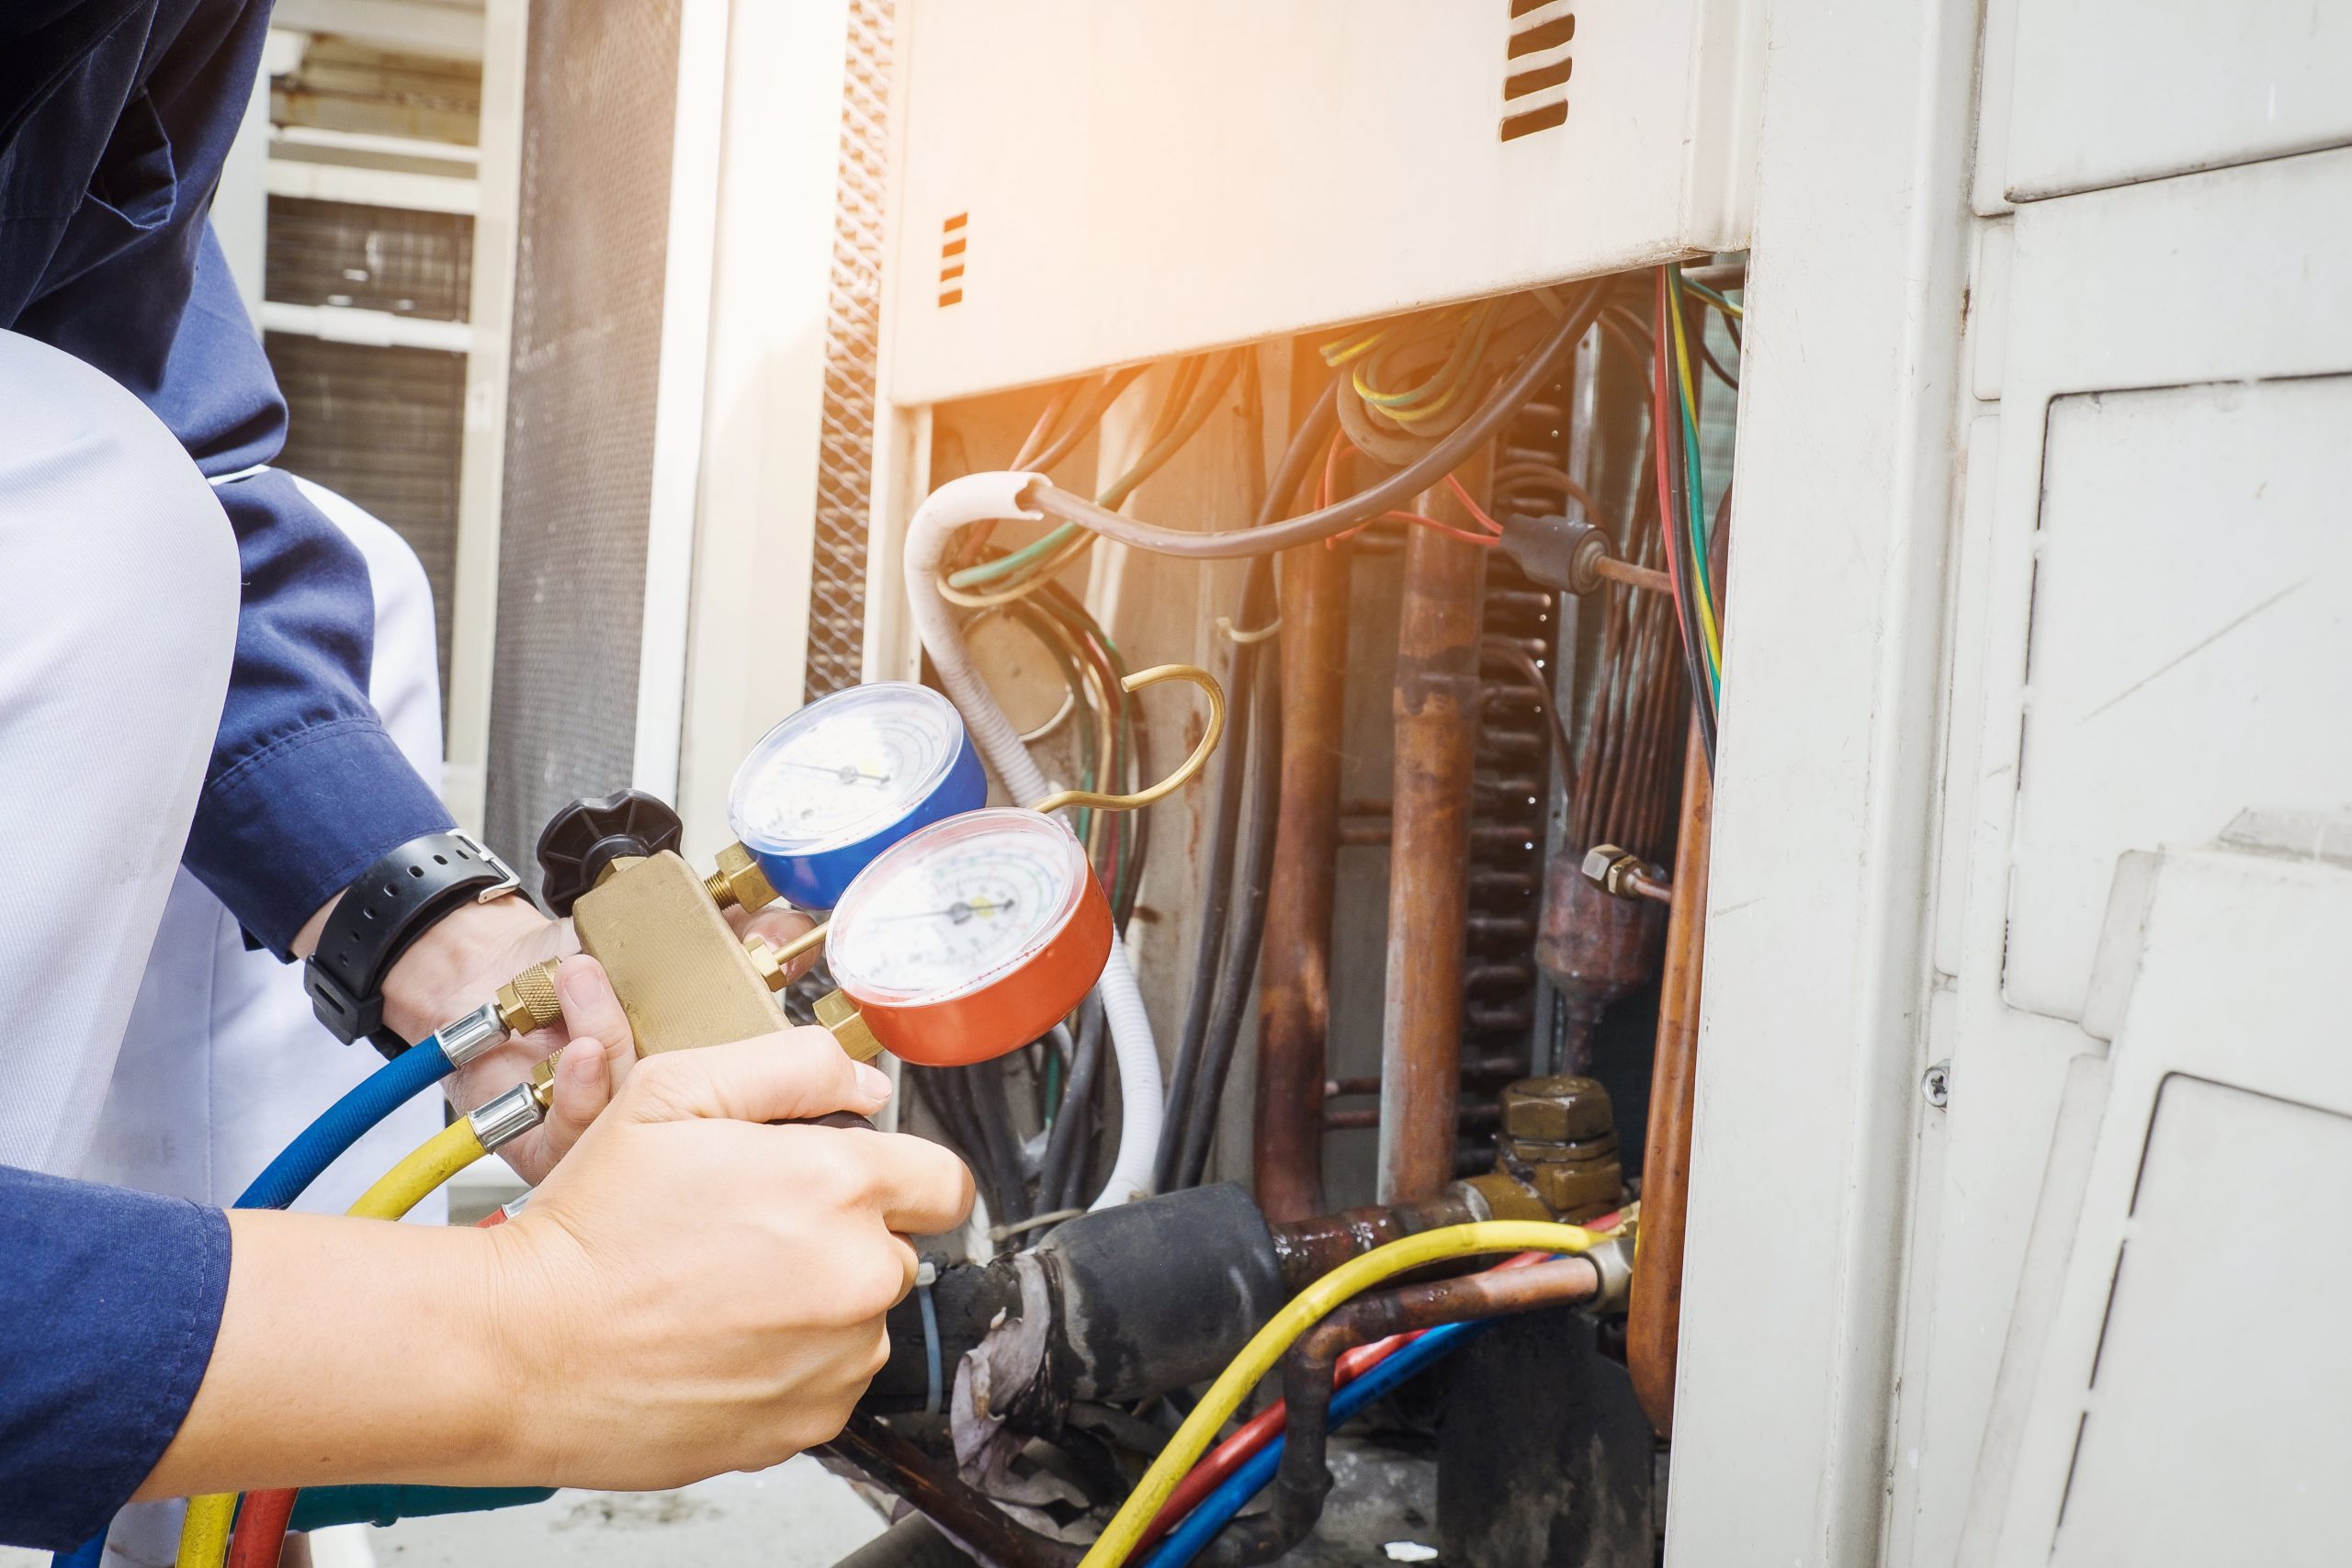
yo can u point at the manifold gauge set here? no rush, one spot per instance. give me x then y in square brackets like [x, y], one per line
[960, 931]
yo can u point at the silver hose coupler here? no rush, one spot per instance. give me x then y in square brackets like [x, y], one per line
[501, 1120]
[471, 1035]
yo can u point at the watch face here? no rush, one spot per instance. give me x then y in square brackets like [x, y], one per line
[844, 768]
[957, 907]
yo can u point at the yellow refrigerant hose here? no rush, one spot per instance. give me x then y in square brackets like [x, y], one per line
[1304, 1309]
[204, 1537]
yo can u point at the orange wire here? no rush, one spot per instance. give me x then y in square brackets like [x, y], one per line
[1475, 510]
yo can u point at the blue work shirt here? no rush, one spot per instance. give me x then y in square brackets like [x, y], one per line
[115, 117]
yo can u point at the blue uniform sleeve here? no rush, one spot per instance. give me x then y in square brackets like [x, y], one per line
[112, 1301]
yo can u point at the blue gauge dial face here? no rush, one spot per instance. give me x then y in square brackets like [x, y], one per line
[844, 768]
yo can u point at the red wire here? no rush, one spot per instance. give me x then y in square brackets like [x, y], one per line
[260, 1529]
[1230, 1455]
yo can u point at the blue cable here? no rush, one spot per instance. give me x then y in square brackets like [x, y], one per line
[89, 1554]
[1216, 1510]
[344, 1123]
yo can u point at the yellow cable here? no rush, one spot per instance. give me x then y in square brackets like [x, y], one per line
[1308, 1308]
[413, 1180]
[1691, 401]
[204, 1537]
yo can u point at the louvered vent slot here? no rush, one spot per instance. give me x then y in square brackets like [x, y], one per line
[951, 259]
[1535, 67]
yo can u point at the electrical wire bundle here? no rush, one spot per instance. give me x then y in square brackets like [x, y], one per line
[1110, 747]
[1682, 506]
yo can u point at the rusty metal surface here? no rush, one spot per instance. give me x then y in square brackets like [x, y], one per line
[1435, 705]
[1308, 1250]
[1594, 947]
[1653, 1328]
[1294, 966]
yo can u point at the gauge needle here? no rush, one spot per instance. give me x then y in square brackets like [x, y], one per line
[959, 911]
[845, 773]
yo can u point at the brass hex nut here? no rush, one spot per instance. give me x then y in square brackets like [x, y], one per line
[739, 882]
[1563, 1109]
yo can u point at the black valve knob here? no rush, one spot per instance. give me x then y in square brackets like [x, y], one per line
[586, 836]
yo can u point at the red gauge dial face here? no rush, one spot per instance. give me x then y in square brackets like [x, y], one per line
[972, 937]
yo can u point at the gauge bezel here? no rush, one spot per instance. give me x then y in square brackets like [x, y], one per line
[1009, 1004]
[812, 872]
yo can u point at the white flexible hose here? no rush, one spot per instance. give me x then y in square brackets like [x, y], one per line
[977, 498]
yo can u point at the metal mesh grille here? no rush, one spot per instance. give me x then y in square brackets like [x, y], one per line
[376, 259]
[382, 426]
[852, 325]
[600, 90]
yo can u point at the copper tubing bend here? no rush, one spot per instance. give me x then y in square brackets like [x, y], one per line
[1653, 1325]
[1294, 966]
[1304, 1480]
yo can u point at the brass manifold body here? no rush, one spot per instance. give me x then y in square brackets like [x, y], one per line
[683, 977]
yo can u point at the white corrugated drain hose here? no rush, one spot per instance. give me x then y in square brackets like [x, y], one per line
[977, 498]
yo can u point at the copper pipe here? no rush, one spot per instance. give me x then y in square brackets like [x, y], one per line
[1467, 1119]
[1646, 579]
[1308, 1250]
[1654, 1322]
[1435, 705]
[1294, 963]
[894, 1463]
[1363, 835]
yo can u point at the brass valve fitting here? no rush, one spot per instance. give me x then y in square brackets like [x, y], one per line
[739, 882]
[528, 1000]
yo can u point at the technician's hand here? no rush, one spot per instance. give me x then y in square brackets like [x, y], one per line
[699, 1292]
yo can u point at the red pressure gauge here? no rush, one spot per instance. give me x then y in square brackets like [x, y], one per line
[971, 937]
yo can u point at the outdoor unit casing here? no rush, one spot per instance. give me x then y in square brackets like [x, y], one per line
[1084, 184]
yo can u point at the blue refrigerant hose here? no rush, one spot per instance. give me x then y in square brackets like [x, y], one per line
[344, 1123]
[1216, 1510]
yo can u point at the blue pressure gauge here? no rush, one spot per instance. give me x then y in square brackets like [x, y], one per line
[843, 779]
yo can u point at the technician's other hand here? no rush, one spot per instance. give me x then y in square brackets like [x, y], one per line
[695, 1292]
[460, 963]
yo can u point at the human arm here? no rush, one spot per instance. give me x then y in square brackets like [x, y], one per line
[691, 1293]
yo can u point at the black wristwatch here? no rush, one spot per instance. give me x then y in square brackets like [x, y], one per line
[384, 910]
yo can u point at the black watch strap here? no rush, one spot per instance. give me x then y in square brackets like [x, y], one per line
[384, 910]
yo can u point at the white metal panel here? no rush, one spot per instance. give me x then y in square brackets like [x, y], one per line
[2224, 288]
[1817, 948]
[2206, 279]
[481, 467]
[2196, 1452]
[1147, 177]
[753, 526]
[678, 406]
[2197, 1196]
[2106, 92]
[2194, 562]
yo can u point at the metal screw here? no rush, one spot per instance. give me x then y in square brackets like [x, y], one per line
[1936, 1084]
